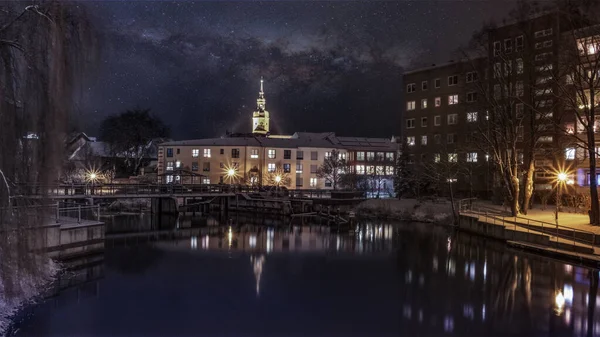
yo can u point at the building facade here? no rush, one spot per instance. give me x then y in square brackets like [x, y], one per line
[268, 160]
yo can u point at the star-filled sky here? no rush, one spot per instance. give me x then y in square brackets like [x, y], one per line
[328, 65]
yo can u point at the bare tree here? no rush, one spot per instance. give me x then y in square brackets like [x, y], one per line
[333, 168]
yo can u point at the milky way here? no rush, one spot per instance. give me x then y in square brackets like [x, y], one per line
[328, 66]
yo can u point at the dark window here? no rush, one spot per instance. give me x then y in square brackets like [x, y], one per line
[438, 83]
[287, 154]
[299, 182]
[206, 167]
[220, 179]
[286, 168]
[194, 166]
[299, 155]
[327, 183]
[178, 151]
[222, 151]
[169, 152]
[235, 153]
[314, 155]
[221, 165]
[313, 168]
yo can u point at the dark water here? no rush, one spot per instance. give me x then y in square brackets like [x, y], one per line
[194, 277]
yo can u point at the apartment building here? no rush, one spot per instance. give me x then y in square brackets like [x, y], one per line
[443, 110]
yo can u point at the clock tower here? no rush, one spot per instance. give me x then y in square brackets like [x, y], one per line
[260, 117]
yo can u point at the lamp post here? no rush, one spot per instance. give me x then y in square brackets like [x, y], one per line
[277, 182]
[560, 178]
[231, 173]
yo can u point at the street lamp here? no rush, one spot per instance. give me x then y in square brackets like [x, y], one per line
[278, 179]
[231, 173]
[560, 178]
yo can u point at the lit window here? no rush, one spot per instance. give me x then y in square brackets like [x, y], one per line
[589, 45]
[341, 155]
[452, 157]
[169, 179]
[271, 153]
[370, 169]
[410, 123]
[370, 155]
[410, 105]
[570, 153]
[254, 153]
[423, 140]
[546, 139]
[206, 180]
[471, 117]
[424, 103]
[436, 157]
[438, 102]
[472, 157]
[411, 87]
[299, 168]
[169, 166]
[410, 141]
[287, 168]
[360, 156]
[177, 164]
[313, 182]
[360, 169]
[452, 119]
[389, 156]
[389, 170]
[271, 167]
[206, 153]
[195, 153]
[452, 99]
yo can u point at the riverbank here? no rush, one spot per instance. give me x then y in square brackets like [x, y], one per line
[20, 288]
[405, 210]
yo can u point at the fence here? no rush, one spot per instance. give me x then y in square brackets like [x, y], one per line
[469, 207]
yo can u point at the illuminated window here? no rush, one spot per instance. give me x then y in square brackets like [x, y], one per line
[206, 180]
[271, 153]
[438, 102]
[195, 153]
[389, 170]
[472, 157]
[424, 85]
[452, 80]
[206, 167]
[452, 119]
[570, 153]
[169, 166]
[436, 157]
[410, 123]
[389, 156]
[254, 153]
[360, 156]
[206, 153]
[410, 141]
[328, 154]
[360, 169]
[299, 168]
[452, 157]
[423, 122]
[169, 179]
[271, 167]
[370, 155]
[194, 166]
[423, 140]
[341, 155]
[589, 45]
[370, 169]
[437, 83]
[411, 87]
[177, 164]
[472, 117]
[410, 105]
[169, 152]
[287, 168]
[546, 139]
[313, 182]
[437, 120]
[452, 99]
[424, 103]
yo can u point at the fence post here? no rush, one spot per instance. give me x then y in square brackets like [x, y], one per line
[79, 214]
[57, 211]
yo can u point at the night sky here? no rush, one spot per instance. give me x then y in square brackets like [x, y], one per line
[328, 65]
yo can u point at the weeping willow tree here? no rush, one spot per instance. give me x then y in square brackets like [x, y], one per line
[45, 48]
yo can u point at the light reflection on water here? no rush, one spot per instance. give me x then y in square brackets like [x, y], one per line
[419, 280]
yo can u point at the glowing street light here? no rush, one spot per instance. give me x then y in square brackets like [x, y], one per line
[561, 178]
[231, 172]
[559, 301]
[278, 179]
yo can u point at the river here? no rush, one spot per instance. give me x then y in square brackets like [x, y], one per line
[254, 276]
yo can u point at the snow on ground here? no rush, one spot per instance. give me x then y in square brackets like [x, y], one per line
[31, 287]
[407, 209]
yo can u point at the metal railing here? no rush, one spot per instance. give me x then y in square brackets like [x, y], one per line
[46, 214]
[523, 224]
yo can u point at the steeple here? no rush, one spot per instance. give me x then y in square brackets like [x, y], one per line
[260, 117]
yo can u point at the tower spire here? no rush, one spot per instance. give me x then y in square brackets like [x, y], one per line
[260, 117]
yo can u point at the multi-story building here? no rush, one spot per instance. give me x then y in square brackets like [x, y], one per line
[264, 159]
[442, 112]
[522, 71]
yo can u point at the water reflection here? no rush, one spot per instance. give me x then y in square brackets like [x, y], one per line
[421, 280]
